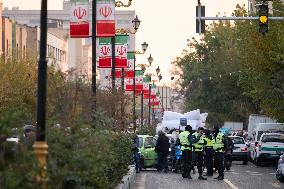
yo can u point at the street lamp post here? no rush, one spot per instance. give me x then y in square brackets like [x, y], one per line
[144, 48]
[94, 60]
[149, 106]
[142, 108]
[40, 146]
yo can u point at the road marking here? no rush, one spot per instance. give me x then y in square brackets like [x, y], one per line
[230, 184]
[255, 174]
[275, 185]
[142, 181]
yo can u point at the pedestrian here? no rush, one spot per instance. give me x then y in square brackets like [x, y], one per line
[186, 139]
[219, 146]
[198, 147]
[209, 153]
[162, 149]
[136, 155]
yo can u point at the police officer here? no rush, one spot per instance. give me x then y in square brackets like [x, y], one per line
[185, 139]
[199, 143]
[219, 145]
[209, 153]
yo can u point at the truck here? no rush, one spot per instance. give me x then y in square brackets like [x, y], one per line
[233, 126]
[255, 119]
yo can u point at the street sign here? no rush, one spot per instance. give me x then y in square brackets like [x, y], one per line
[183, 121]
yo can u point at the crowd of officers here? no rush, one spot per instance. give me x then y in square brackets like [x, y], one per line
[200, 148]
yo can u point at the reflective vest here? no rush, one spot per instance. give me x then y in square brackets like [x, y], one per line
[209, 142]
[183, 138]
[198, 146]
[218, 144]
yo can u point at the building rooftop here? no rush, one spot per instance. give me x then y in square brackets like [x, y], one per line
[59, 32]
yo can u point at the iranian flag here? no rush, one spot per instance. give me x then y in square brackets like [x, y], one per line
[121, 51]
[79, 18]
[139, 80]
[146, 83]
[129, 71]
[105, 52]
[129, 84]
[153, 93]
[105, 18]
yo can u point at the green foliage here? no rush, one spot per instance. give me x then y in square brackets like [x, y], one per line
[78, 154]
[233, 70]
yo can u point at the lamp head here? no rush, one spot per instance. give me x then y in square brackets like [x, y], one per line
[150, 59]
[158, 70]
[144, 46]
[136, 23]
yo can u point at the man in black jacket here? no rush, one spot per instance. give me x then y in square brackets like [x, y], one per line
[162, 149]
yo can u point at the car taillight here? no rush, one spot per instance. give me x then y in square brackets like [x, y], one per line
[244, 149]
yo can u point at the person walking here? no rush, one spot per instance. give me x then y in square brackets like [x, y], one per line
[209, 153]
[136, 153]
[186, 140]
[199, 144]
[219, 145]
[162, 149]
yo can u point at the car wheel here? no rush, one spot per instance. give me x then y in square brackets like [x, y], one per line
[257, 162]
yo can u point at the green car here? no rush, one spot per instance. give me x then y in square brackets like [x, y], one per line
[148, 156]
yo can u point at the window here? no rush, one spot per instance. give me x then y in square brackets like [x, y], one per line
[273, 138]
[238, 140]
[149, 142]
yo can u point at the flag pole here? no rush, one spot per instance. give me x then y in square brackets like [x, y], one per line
[94, 60]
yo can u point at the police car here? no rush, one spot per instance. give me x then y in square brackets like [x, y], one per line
[269, 148]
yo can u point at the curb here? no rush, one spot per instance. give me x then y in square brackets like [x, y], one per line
[127, 179]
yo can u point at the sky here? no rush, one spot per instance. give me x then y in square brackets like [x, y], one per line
[165, 25]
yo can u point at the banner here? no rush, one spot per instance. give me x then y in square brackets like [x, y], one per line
[79, 19]
[105, 52]
[105, 18]
[153, 93]
[146, 83]
[139, 80]
[129, 84]
[129, 71]
[121, 51]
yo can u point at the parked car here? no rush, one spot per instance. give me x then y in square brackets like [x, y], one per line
[280, 169]
[148, 156]
[269, 148]
[240, 151]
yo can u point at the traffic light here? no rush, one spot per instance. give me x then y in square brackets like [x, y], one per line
[263, 19]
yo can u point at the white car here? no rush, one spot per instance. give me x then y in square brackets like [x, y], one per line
[280, 169]
[269, 148]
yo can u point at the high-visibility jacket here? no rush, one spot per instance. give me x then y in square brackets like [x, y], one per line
[183, 138]
[199, 145]
[218, 143]
[209, 142]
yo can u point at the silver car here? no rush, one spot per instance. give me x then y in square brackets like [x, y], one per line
[240, 151]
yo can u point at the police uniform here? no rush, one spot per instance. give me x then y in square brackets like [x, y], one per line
[186, 153]
[218, 146]
[209, 153]
[198, 153]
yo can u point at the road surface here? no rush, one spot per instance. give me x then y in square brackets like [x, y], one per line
[239, 177]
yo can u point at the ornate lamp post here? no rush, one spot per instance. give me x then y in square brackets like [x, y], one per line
[40, 146]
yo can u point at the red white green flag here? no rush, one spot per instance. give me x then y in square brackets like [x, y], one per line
[129, 86]
[105, 52]
[153, 93]
[79, 18]
[129, 71]
[121, 51]
[105, 18]
[146, 83]
[139, 80]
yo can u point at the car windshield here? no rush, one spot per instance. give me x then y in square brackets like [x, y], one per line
[149, 141]
[238, 140]
[140, 142]
[273, 138]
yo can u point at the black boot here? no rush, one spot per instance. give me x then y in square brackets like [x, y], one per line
[201, 177]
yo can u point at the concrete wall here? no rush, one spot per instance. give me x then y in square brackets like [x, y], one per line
[6, 37]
